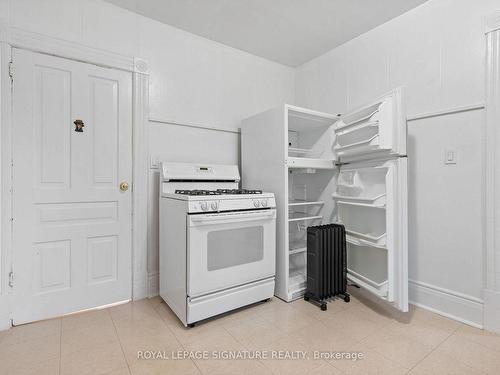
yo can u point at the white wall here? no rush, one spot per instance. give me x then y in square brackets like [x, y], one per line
[193, 80]
[437, 52]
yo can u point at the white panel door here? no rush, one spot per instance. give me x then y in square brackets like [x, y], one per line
[371, 199]
[72, 222]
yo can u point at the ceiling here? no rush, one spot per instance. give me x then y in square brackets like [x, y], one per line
[290, 32]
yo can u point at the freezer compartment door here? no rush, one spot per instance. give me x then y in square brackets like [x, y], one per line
[375, 130]
[371, 201]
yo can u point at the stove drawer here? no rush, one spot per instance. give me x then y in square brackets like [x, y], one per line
[229, 299]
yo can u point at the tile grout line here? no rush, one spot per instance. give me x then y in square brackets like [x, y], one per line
[263, 362]
[119, 341]
[476, 342]
[175, 336]
[337, 368]
[246, 347]
[390, 359]
[470, 341]
[168, 327]
[195, 364]
[434, 349]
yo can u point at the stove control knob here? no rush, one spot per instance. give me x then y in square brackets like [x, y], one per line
[214, 206]
[204, 206]
[263, 203]
[256, 204]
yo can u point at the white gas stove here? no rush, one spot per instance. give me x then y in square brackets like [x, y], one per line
[217, 242]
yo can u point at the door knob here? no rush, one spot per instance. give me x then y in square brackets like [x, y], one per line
[124, 186]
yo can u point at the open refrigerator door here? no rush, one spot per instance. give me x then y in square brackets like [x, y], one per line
[371, 202]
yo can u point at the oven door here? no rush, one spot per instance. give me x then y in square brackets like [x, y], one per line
[229, 249]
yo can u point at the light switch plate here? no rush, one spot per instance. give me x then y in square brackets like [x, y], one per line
[154, 162]
[450, 157]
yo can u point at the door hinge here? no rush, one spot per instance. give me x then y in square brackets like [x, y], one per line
[11, 70]
[11, 279]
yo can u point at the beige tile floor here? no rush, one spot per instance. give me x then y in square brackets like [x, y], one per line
[107, 342]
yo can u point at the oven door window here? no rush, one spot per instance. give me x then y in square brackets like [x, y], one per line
[234, 247]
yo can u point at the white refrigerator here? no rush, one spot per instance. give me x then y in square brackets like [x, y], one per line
[325, 168]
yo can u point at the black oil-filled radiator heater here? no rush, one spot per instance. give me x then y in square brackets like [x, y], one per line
[326, 263]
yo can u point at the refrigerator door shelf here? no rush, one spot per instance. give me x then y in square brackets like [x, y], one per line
[379, 241]
[362, 120]
[362, 185]
[360, 147]
[361, 242]
[360, 204]
[379, 289]
[378, 128]
[348, 134]
[367, 266]
[365, 221]
[357, 135]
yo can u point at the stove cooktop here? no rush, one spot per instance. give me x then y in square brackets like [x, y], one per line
[219, 192]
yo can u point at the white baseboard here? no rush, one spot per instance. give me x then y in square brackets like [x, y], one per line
[491, 310]
[153, 284]
[453, 305]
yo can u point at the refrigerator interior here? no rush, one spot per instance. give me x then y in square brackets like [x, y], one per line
[309, 204]
[310, 141]
[311, 179]
[359, 202]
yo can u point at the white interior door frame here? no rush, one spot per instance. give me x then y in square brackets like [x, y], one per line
[491, 170]
[5, 187]
[15, 38]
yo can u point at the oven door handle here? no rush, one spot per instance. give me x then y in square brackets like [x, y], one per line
[228, 218]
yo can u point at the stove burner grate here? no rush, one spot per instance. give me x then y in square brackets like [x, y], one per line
[239, 191]
[219, 192]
